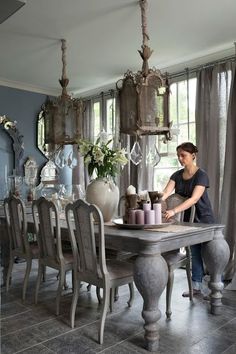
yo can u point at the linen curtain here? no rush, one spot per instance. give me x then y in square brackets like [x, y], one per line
[215, 129]
[228, 197]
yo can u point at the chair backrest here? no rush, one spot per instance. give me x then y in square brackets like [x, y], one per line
[88, 262]
[173, 201]
[14, 209]
[47, 227]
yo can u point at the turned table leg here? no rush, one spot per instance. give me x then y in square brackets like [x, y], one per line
[150, 276]
[216, 256]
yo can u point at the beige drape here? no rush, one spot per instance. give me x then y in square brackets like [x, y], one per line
[215, 110]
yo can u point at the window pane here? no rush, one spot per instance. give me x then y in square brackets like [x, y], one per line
[161, 177]
[182, 102]
[170, 161]
[160, 110]
[173, 103]
[183, 133]
[96, 111]
[192, 99]
[192, 133]
[178, 111]
[110, 115]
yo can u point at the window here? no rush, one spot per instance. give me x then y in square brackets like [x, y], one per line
[182, 114]
[104, 116]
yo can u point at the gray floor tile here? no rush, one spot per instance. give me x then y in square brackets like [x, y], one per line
[29, 328]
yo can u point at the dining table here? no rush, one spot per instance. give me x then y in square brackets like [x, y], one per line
[150, 268]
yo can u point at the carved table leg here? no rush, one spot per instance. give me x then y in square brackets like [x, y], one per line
[216, 256]
[150, 276]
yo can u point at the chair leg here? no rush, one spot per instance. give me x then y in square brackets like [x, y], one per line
[40, 272]
[74, 300]
[112, 298]
[26, 278]
[131, 291]
[105, 304]
[61, 283]
[44, 274]
[116, 295]
[169, 288]
[98, 295]
[190, 285]
[10, 267]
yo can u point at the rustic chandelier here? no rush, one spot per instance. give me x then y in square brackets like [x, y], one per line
[144, 96]
[63, 117]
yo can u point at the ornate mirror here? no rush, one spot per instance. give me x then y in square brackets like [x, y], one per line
[18, 145]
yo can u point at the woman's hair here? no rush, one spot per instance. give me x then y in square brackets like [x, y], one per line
[189, 147]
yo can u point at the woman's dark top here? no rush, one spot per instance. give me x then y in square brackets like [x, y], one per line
[185, 188]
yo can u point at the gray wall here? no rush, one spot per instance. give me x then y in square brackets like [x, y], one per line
[23, 107]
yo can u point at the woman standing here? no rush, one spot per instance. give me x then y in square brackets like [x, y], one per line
[191, 182]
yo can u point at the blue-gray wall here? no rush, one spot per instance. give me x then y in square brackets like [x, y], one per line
[23, 107]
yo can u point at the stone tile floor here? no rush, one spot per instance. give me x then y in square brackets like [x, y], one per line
[32, 329]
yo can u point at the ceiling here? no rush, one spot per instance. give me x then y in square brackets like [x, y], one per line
[103, 37]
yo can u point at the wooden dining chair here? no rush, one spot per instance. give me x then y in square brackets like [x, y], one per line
[48, 232]
[177, 259]
[20, 246]
[90, 264]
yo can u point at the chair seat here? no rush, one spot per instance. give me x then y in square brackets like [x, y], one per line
[119, 269]
[34, 249]
[172, 258]
[68, 257]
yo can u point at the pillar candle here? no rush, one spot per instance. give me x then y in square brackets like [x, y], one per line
[146, 206]
[149, 217]
[132, 216]
[139, 217]
[157, 209]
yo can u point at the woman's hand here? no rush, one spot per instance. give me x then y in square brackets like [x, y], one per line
[169, 214]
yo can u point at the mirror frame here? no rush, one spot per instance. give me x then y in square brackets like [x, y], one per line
[18, 144]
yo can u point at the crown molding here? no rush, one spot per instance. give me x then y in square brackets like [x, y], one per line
[27, 87]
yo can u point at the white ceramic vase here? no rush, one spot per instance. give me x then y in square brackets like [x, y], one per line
[105, 195]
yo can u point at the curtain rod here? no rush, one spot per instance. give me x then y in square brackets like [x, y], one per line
[192, 70]
[202, 66]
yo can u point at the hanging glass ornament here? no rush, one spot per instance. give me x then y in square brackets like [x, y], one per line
[153, 156]
[136, 154]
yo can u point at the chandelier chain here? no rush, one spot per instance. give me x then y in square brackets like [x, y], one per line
[63, 48]
[143, 5]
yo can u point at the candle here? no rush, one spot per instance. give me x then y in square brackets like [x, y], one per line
[149, 217]
[157, 210]
[131, 190]
[146, 206]
[139, 217]
[132, 216]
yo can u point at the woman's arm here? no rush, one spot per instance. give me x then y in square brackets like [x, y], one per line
[168, 189]
[196, 195]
